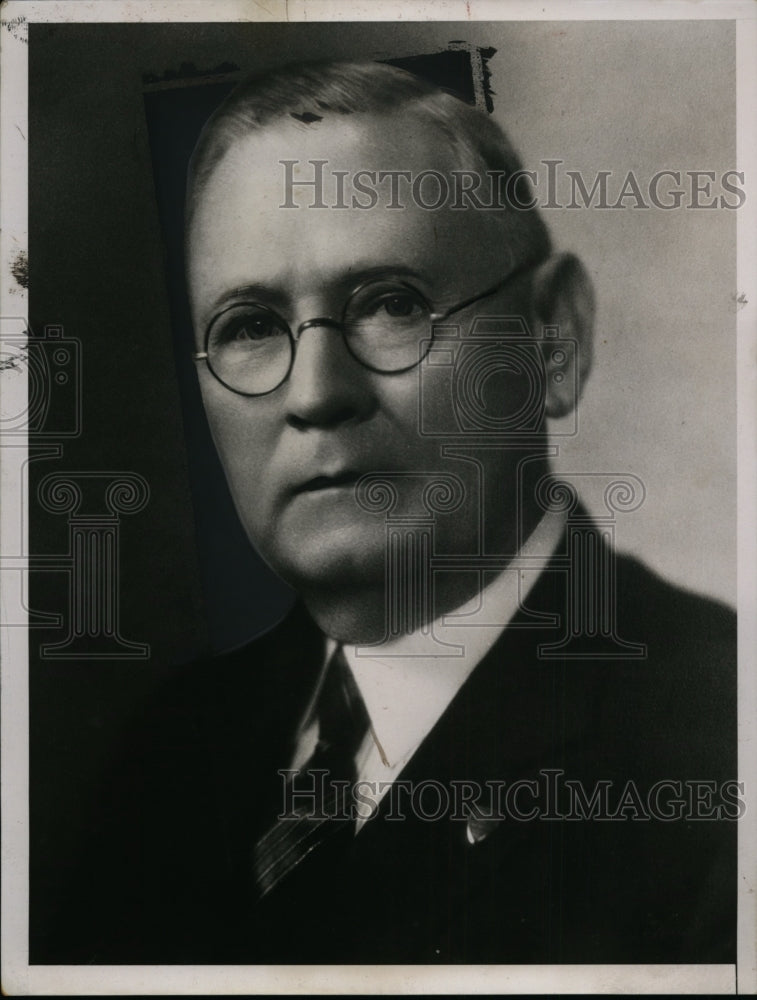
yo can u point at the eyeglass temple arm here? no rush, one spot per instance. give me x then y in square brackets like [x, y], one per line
[515, 273]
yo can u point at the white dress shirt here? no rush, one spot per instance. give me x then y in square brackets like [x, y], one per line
[407, 683]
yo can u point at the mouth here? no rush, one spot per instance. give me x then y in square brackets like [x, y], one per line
[319, 484]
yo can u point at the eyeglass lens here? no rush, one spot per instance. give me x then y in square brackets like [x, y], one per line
[385, 324]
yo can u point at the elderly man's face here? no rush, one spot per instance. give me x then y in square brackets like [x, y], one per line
[292, 457]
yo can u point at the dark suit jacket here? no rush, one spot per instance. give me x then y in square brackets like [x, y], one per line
[167, 876]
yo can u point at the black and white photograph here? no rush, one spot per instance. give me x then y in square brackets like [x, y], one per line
[378, 407]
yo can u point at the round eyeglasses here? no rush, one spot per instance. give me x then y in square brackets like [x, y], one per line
[386, 325]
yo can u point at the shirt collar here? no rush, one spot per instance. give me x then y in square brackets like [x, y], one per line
[408, 682]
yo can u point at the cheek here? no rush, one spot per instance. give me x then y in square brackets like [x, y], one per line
[419, 406]
[399, 403]
[243, 440]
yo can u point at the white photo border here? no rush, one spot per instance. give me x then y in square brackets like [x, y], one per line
[18, 977]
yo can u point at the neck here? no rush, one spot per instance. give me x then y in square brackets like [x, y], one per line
[373, 614]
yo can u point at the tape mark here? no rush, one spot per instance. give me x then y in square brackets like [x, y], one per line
[20, 269]
[18, 28]
[188, 71]
[14, 362]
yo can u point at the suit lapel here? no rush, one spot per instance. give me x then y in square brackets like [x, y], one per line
[505, 723]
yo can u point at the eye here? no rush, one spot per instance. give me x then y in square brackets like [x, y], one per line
[388, 302]
[401, 304]
[245, 326]
[252, 328]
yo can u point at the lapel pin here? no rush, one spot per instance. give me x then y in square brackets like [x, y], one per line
[478, 829]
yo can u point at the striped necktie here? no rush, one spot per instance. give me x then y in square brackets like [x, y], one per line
[321, 793]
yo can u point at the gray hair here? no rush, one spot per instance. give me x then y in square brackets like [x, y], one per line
[314, 91]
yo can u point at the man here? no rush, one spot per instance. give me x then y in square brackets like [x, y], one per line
[435, 757]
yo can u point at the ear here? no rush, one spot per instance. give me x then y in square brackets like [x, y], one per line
[562, 296]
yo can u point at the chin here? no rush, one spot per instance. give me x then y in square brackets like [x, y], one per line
[336, 559]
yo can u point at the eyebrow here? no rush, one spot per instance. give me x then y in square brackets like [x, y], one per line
[275, 296]
[362, 274]
[255, 291]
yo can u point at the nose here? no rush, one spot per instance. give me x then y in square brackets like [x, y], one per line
[326, 385]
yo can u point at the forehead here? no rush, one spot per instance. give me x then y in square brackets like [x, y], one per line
[242, 231]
